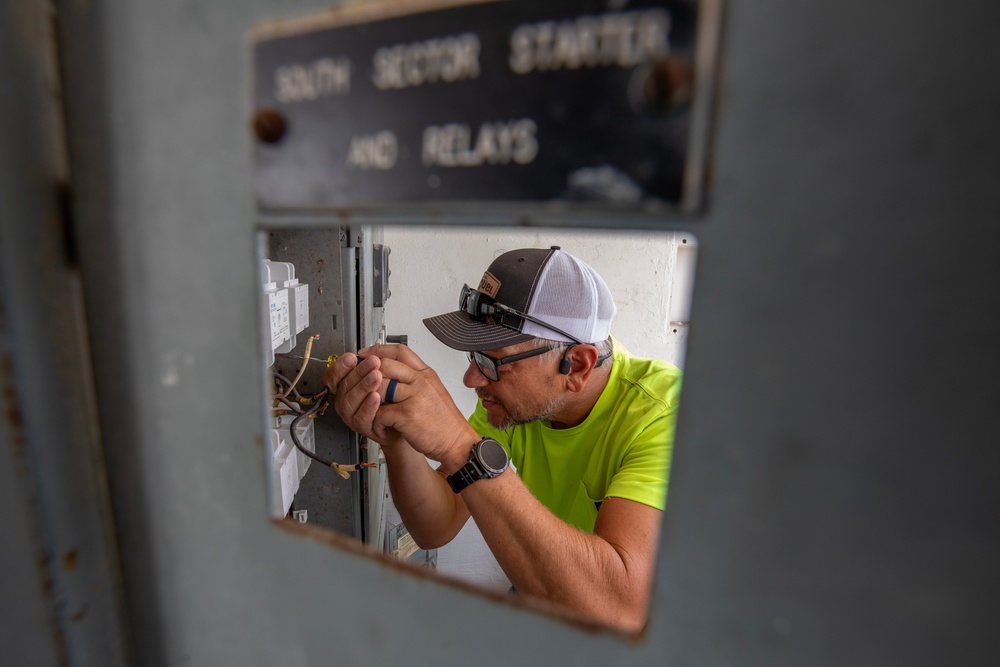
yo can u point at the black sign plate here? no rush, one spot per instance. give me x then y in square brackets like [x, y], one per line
[510, 101]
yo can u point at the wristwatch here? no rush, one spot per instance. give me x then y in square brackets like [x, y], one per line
[488, 459]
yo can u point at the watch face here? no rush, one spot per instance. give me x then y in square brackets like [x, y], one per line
[492, 455]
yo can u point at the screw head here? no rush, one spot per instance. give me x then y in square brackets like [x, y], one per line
[269, 125]
[669, 84]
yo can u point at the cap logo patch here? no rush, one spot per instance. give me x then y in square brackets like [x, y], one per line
[489, 285]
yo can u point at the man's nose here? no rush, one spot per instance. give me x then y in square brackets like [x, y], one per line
[474, 377]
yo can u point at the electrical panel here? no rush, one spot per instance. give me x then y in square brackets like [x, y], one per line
[319, 296]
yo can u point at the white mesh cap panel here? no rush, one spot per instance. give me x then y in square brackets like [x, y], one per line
[572, 296]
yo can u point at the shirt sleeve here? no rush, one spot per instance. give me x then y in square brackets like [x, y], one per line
[645, 467]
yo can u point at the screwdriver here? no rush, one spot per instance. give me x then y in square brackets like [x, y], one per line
[329, 360]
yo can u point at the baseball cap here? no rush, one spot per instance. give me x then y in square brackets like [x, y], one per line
[550, 286]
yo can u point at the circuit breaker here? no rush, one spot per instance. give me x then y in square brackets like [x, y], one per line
[286, 303]
[288, 463]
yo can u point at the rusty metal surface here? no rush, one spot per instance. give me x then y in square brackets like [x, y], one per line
[29, 628]
[60, 600]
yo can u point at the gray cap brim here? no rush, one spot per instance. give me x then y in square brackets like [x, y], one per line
[460, 332]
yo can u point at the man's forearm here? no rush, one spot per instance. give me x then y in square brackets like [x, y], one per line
[546, 557]
[430, 510]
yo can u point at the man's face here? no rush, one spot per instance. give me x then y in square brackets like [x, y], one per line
[528, 390]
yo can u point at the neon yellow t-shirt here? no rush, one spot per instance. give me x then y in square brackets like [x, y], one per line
[621, 450]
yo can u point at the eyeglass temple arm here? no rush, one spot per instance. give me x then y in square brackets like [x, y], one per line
[508, 309]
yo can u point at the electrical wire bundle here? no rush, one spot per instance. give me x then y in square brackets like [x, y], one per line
[318, 402]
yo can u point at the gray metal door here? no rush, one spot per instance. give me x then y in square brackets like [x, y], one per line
[832, 499]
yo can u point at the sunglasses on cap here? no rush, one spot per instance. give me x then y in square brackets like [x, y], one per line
[481, 306]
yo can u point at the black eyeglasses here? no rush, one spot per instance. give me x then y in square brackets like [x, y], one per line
[490, 366]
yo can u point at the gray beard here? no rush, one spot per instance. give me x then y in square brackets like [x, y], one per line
[546, 413]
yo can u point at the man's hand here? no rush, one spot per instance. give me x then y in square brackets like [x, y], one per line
[422, 410]
[431, 511]
[358, 386]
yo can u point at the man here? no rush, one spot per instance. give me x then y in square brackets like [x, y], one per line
[588, 429]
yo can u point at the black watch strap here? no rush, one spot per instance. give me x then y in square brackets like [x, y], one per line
[464, 476]
[487, 459]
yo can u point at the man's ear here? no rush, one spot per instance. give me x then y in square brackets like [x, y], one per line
[579, 362]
